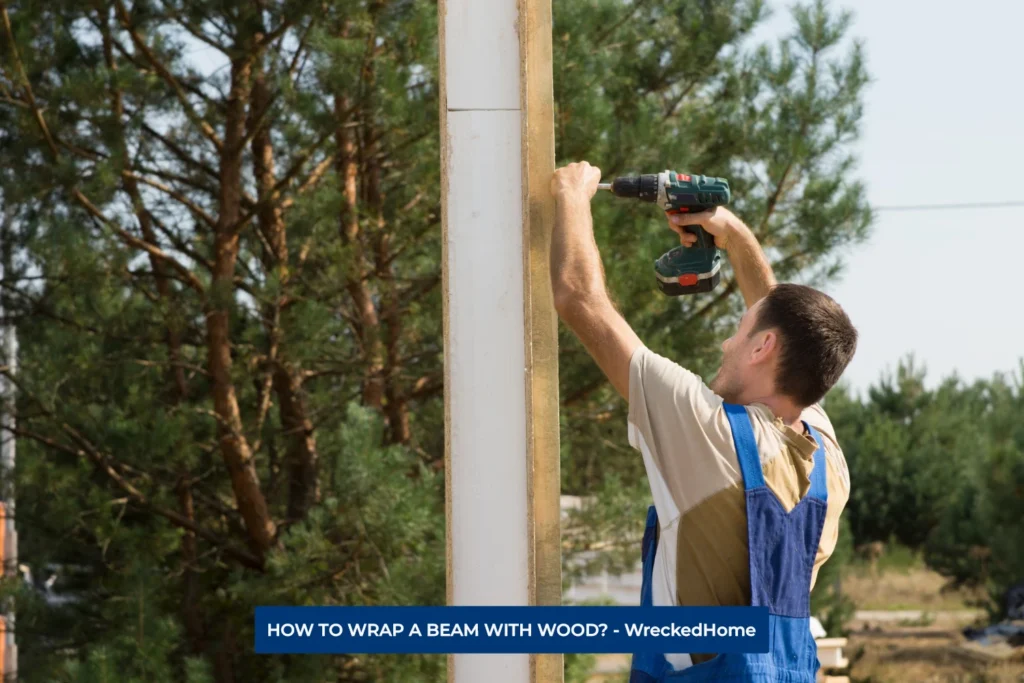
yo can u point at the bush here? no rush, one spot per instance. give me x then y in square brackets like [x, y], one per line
[828, 602]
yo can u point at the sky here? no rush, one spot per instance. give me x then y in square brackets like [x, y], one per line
[943, 123]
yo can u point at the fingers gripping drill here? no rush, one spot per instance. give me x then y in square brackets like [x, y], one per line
[683, 270]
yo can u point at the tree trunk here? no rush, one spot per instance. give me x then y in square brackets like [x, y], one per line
[367, 323]
[396, 411]
[303, 459]
[303, 480]
[223, 655]
[234, 447]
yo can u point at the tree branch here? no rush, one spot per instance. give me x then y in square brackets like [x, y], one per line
[180, 245]
[189, 277]
[126, 236]
[102, 464]
[166, 75]
[20, 67]
[275, 34]
[174, 194]
[722, 296]
[177, 151]
[272, 197]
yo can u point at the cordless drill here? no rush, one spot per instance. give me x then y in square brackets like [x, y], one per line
[683, 270]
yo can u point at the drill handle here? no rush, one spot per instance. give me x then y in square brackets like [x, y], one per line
[705, 240]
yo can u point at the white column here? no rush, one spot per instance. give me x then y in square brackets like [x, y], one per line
[501, 388]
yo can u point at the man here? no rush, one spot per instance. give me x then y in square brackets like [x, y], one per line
[791, 347]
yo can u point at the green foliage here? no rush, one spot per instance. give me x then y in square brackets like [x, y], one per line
[828, 603]
[907, 449]
[578, 667]
[941, 472]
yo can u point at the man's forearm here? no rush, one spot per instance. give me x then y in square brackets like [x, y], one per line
[753, 272]
[576, 269]
[577, 278]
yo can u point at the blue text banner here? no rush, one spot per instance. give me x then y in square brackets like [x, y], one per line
[503, 630]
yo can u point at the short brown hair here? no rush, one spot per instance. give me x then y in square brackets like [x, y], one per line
[817, 340]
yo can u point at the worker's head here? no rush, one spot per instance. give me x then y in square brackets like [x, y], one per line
[793, 343]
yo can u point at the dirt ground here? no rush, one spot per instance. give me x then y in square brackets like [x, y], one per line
[898, 654]
[908, 630]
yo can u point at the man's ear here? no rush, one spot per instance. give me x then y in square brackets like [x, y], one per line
[765, 346]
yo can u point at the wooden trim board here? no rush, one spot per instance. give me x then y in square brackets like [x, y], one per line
[542, 428]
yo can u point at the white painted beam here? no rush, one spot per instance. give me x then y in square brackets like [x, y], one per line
[481, 54]
[501, 373]
[487, 477]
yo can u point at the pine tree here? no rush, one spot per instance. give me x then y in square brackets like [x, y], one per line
[227, 296]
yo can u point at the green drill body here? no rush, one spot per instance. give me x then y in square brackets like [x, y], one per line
[682, 270]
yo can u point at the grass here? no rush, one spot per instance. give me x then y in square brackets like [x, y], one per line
[901, 581]
[926, 619]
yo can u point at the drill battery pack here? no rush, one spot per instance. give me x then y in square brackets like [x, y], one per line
[688, 270]
[702, 285]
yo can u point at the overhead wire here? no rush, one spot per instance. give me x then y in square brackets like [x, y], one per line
[949, 207]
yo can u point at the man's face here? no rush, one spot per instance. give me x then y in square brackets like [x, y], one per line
[733, 377]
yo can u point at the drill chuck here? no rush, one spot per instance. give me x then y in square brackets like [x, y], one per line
[642, 187]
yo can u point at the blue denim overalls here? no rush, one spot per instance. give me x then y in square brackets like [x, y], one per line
[782, 550]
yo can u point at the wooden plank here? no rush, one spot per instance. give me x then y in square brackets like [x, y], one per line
[831, 642]
[541, 341]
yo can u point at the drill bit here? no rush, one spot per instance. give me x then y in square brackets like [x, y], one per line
[604, 186]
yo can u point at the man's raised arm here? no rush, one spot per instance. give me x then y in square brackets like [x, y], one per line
[577, 277]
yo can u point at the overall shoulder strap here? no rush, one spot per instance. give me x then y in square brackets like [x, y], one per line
[819, 483]
[746, 446]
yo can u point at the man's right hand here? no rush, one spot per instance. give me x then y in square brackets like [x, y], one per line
[719, 222]
[577, 180]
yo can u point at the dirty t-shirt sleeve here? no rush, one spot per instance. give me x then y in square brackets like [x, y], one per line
[678, 425]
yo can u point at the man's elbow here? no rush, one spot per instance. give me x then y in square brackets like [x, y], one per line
[565, 300]
[574, 304]
[569, 300]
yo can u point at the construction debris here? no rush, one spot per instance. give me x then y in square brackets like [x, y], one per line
[998, 642]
